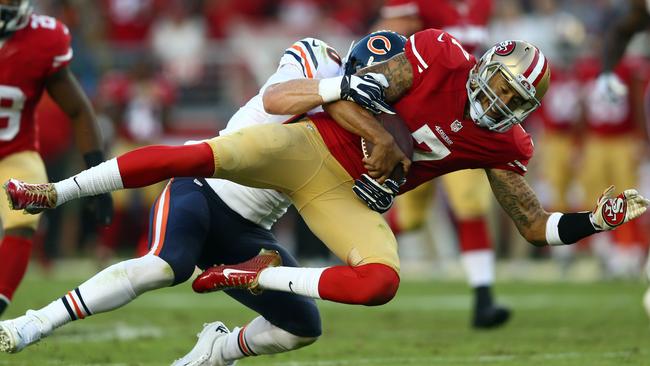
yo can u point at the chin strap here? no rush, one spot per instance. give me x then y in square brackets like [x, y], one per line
[478, 114]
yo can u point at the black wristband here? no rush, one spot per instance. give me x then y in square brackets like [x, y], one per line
[93, 158]
[575, 226]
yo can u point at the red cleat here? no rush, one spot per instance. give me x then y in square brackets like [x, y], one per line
[242, 276]
[33, 198]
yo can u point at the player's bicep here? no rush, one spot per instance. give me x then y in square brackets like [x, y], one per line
[519, 201]
[398, 72]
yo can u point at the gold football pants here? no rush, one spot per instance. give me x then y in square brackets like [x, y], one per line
[294, 159]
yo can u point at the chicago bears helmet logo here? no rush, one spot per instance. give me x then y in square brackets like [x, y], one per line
[614, 210]
[379, 45]
[504, 48]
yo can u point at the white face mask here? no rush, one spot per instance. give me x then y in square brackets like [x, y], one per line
[479, 116]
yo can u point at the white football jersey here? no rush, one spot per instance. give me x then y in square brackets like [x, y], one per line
[308, 58]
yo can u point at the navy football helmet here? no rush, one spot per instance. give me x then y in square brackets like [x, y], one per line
[375, 47]
[14, 16]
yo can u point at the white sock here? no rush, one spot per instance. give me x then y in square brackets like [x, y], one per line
[109, 289]
[260, 337]
[99, 179]
[301, 281]
[479, 267]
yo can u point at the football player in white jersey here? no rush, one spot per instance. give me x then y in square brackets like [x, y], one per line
[201, 222]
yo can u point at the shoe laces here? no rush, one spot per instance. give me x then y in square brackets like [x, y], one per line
[40, 194]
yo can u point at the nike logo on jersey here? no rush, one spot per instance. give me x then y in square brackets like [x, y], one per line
[75, 182]
[221, 329]
[227, 272]
[440, 37]
[313, 43]
[291, 284]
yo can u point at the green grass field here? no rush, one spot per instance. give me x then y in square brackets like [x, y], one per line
[426, 324]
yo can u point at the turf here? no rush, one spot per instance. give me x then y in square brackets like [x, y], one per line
[426, 324]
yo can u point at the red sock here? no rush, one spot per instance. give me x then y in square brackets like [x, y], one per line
[14, 257]
[369, 284]
[473, 235]
[153, 164]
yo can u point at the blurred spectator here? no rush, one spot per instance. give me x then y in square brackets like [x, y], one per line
[128, 22]
[138, 103]
[178, 40]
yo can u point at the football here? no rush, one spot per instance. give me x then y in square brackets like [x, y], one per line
[397, 128]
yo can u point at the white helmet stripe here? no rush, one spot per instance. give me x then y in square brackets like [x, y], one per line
[539, 68]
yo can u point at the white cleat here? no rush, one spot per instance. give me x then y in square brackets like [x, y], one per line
[207, 351]
[16, 334]
[646, 301]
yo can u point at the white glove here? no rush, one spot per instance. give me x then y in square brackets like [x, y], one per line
[610, 88]
[611, 212]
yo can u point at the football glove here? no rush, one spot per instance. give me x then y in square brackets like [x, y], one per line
[379, 197]
[611, 211]
[609, 88]
[367, 91]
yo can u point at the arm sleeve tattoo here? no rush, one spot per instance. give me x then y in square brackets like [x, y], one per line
[517, 199]
[398, 72]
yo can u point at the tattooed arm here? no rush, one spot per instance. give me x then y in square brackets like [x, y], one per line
[520, 203]
[399, 73]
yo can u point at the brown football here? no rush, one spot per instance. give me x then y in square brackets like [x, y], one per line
[397, 128]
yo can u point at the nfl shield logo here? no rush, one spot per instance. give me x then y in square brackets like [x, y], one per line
[456, 126]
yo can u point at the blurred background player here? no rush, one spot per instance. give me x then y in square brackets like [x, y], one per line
[632, 18]
[468, 191]
[34, 56]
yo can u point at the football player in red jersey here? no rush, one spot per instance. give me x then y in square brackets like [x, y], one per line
[632, 19]
[34, 56]
[463, 114]
[468, 191]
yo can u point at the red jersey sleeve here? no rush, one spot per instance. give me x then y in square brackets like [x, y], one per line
[433, 51]
[58, 43]
[524, 149]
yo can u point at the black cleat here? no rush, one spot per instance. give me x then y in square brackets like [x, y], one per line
[490, 317]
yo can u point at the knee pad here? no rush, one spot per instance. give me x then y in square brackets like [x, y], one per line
[148, 272]
[378, 284]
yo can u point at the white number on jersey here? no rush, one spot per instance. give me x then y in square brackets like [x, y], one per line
[426, 136]
[465, 53]
[43, 21]
[12, 100]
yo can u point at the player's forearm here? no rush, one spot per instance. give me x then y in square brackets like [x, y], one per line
[359, 121]
[292, 97]
[68, 95]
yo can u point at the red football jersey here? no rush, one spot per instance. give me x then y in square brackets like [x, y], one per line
[466, 20]
[606, 117]
[434, 111]
[27, 58]
[562, 104]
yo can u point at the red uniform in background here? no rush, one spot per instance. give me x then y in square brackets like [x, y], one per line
[560, 115]
[612, 152]
[27, 58]
[466, 20]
